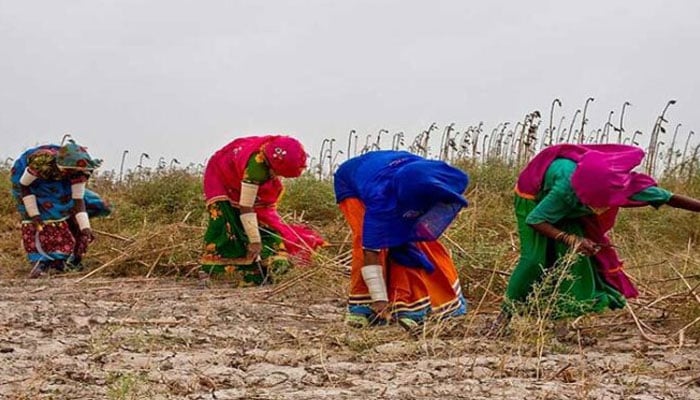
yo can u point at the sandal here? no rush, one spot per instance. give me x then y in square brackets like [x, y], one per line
[356, 320]
[413, 327]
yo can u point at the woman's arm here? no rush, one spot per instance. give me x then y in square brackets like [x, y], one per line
[29, 199]
[373, 275]
[249, 219]
[77, 189]
[255, 174]
[684, 202]
[371, 257]
[584, 245]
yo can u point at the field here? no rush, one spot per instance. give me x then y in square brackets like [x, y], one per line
[142, 326]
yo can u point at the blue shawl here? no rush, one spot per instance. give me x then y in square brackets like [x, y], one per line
[407, 199]
[53, 197]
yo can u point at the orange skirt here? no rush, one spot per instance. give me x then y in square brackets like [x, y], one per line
[413, 292]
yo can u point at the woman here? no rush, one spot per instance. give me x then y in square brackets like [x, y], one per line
[397, 205]
[568, 197]
[48, 183]
[246, 236]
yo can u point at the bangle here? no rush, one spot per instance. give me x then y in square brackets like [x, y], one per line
[571, 240]
[250, 226]
[249, 193]
[27, 178]
[77, 190]
[374, 279]
[30, 205]
[560, 235]
[83, 220]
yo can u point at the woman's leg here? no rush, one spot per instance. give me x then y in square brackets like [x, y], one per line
[532, 261]
[584, 291]
[360, 313]
[48, 248]
[224, 239]
[578, 291]
[225, 249]
[413, 292]
[416, 294]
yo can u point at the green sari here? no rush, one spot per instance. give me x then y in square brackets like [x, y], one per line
[226, 243]
[581, 289]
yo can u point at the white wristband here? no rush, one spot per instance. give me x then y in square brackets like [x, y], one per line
[27, 178]
[249, 192]
[30, 205]
[83, 220]
[374, 279]
[77, 190]
[250, 226]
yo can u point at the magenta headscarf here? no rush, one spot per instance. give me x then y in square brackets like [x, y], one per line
[604, 176]
[285, 155]
[222, 177]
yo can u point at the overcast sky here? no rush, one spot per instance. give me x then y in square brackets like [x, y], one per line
[181, 78]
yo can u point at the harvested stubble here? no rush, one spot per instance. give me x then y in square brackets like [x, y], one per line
[158, 232]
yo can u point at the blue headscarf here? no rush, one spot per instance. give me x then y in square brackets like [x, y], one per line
[407, 199]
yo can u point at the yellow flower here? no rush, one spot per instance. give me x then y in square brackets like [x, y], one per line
[259, 158]
[214, 213]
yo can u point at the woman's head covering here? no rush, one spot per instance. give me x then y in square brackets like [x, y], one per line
[72, 155]
[285, 156]
[422, 184]
[604, 175]
[407, 197]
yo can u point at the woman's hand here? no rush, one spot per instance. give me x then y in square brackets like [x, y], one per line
[87, 235]
[587, 247]
[381, 309]
[254, 250]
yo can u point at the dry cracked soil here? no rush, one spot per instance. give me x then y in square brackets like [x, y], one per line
[170, 339]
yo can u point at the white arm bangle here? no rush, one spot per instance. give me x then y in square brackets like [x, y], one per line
[30, 205]
[250, 226]
[374, 279]
[249, 192]
[27, 178]
[83, 220]
[77, 190]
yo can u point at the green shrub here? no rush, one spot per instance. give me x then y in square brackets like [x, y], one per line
[7, 202]
[164, 197]
[310, 196]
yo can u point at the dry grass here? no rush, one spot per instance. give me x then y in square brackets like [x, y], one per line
[158, 223]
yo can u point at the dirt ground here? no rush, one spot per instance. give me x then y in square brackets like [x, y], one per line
[168, 339]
